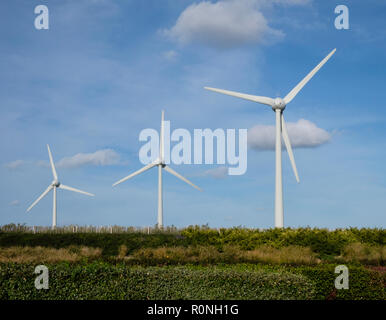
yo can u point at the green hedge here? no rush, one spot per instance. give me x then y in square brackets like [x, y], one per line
[106, 281]
[109, 243]
[244, 281]
[322, 241]
[364, 284]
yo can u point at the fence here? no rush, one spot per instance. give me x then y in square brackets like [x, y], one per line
[86, 229]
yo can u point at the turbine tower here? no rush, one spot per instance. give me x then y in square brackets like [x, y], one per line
[160, 163]
[278, 105]
[53, 186]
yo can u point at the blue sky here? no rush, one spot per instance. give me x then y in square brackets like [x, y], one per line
[105, 70]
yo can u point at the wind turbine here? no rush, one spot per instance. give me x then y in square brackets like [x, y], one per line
[278, 105]
[160, 162]
[53, 186]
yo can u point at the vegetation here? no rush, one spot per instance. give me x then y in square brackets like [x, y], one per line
[47, 255]
[109, 243]
[100, 280]
[364, 284]
[192, 263]
[364, 254]
[291, 255]
[199, 255]
[106, 281]
[321, 241]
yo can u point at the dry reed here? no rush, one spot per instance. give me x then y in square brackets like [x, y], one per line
[47, 255]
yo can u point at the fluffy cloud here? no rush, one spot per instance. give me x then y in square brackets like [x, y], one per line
[14, 203]
[14, 164]
[217, 173]
[303, 134]
[223, 24]
[99, 158]
[226, 23]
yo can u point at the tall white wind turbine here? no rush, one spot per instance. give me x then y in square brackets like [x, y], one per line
[160, 162]
[53, 186]
[278, 105]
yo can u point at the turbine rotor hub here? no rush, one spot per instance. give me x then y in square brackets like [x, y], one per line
[55, 183]
[278, 104]
[161, 162]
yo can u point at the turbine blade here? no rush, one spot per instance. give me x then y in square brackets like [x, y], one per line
[145, 168]
[161, 139]
[288, 98]
[288, 146]
[52, 163]
[62, 186]
[40, 197]
[259, 99]
[170, 170]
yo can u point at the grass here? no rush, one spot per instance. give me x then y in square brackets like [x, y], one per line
[364, 254]
[47, 255]
[291, 255]
[355, 253]
[193, 263]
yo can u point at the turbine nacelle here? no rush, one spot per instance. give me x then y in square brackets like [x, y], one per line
[159, 162]
[278, 103]
[55, 183]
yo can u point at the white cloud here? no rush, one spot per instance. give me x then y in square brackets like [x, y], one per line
[302, 134]
[14, 164]
[42, 163]
[290, 2]
[226, 23]
[217, 173]
[170, 55]
[14, 203]
[99, 158]
[223, 24]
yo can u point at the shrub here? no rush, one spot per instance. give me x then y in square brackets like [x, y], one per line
[324, 242]
[363, 284]
[106, 281]
[109, 243]
[364, 253]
